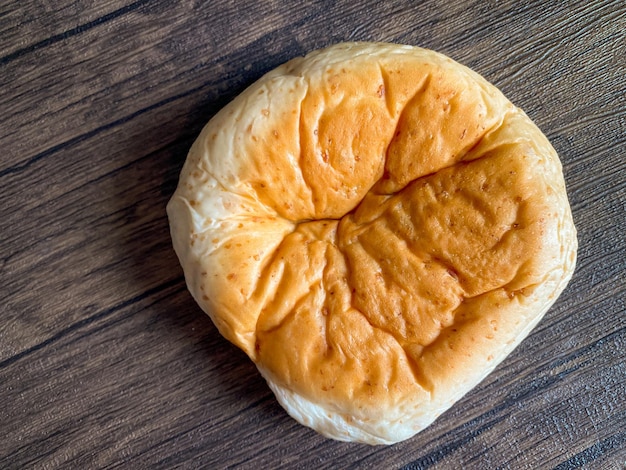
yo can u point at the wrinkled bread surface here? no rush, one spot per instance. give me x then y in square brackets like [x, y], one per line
[377, 227]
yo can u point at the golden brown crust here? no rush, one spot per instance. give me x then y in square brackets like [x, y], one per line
[377, 227]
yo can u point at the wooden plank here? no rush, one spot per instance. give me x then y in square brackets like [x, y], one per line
[26, 27]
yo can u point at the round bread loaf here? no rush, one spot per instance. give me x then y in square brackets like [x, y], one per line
[377, 227]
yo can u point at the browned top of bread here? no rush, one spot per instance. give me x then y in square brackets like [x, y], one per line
[376, 226]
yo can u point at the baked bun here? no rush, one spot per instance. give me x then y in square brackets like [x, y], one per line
[377, 227]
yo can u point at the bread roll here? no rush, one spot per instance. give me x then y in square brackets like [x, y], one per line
[377, 227]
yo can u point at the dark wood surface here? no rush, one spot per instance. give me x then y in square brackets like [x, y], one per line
[105, 360]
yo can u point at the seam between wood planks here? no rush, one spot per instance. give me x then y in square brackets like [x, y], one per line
[98, 316]
[72, 32]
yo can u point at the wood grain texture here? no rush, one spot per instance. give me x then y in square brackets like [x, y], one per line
[106, 361]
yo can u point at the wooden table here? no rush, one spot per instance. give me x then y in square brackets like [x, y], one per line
[106, 361]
